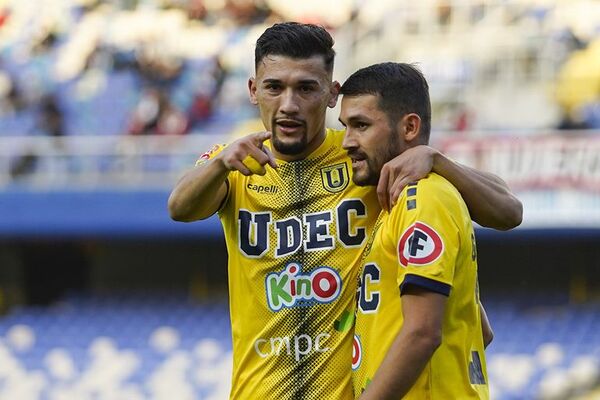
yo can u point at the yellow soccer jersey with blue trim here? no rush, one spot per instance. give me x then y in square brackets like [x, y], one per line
[427, 240]
[295, 238]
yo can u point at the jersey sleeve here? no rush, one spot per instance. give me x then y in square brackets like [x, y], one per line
[210, 154]
[428, 237]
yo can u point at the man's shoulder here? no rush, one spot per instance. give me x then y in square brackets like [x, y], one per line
[435, 184]
[433, 189]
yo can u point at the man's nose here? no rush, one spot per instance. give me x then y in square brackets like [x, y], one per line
[348, 142]
[289, 102]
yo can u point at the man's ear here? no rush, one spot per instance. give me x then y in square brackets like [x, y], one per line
[410, 127]
[252, 90]
[334, 92]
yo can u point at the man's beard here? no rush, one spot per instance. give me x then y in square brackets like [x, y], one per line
[289, 149]
[375, 163]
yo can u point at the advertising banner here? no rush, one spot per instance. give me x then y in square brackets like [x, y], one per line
[556, 176]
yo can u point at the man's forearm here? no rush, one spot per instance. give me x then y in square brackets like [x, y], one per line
[199, 192]
[490, 202]
[486, 327]
[404, 362]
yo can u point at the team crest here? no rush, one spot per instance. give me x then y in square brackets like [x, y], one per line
[335, 177]
[419, 245]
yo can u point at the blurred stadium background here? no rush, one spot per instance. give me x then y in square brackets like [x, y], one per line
[103, 104]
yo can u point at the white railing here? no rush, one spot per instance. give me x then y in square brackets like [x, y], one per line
[555, 174]
[140, 162]
[95, 162]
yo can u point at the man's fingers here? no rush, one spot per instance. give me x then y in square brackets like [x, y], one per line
[258, 158]
[254, 166]
[260, 137]
[382, 189]
[239, 166]
[272, 162]
[397, 188]
[249, 156]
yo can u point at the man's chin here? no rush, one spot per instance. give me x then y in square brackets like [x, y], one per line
[289, 148]
[364, 179]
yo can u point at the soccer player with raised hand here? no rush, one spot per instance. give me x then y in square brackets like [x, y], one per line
[295, 234]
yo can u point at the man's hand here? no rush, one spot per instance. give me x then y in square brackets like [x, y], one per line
[201, 191]
[248, 155]
[410, 166]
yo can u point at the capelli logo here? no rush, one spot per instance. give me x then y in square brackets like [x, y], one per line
[268, 189]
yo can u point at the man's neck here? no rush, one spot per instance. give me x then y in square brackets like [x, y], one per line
[310, 148]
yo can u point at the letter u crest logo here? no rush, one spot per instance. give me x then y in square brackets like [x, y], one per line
[335, 177]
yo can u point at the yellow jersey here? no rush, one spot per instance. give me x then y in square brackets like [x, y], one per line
[427, 240]
[295, 238]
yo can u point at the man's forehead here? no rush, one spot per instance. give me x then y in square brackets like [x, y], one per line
[280, 67]
[360, 103]
[364, 107]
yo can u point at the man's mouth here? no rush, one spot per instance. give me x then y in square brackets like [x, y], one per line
[358, 163]
[289, 125]
[357, 160]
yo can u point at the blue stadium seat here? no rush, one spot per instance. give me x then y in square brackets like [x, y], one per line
[532, 347]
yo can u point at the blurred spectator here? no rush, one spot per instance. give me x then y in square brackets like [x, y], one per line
[4, 15]
[196, 10]
[92, 54]
[157, 68]
[50, 122]
[155, 114]
[444, 12]
[463, 121]
[209, 86]
[23, 165]
[51, 119]
[247, 12]
[11, 100]
[572, 121]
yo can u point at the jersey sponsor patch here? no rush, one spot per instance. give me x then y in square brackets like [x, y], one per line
[356, 353]
[298, 345]
[263, 189]
[216, 149]
[335, 178]
[291, 288]
[420, 244]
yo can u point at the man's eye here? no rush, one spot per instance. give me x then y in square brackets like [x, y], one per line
[306, 89]
[273, 86]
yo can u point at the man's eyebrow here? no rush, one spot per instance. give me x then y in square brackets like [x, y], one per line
[300, 82]
[309, 82]
[357, 118]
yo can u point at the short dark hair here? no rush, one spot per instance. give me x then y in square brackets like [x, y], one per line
[401, 88]
[295, 40]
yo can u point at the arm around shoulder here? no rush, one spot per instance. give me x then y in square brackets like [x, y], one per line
[490, 201]
[486, 327]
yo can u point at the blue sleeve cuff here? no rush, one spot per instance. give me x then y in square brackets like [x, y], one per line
[425, 283]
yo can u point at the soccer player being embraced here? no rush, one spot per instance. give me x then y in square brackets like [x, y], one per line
[419, 332]
[295, 229]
